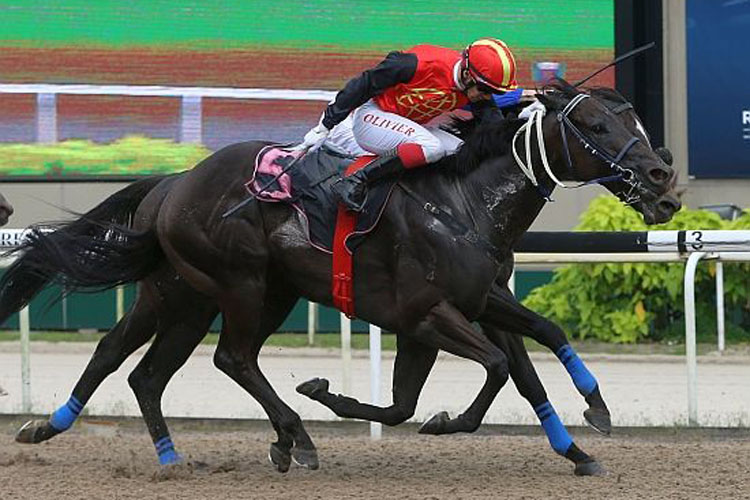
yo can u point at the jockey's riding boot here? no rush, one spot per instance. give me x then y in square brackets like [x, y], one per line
[352, 189]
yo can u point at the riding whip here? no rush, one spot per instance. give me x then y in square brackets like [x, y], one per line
[623, 57]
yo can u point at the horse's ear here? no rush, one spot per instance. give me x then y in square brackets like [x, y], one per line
[548, 100]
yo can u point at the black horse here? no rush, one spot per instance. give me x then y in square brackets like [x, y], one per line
[180, 317]
[503, 313]
[277, 292]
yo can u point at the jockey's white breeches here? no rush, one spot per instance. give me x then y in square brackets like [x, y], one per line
[369, 129]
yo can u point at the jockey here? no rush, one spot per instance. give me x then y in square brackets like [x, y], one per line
[384, 110]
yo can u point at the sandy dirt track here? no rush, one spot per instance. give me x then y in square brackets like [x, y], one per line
[227, 462]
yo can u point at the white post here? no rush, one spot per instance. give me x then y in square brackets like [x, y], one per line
[346, 353]
[191, 119]
[720, 304]
[119, 302]
[512, 281]
[24, 326]
[312, 321]
[64, 307]
[376, 428]
[46, 118]
[690, 348]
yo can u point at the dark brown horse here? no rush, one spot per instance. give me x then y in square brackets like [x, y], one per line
[425, 280]
[439, 325]
[180, 317]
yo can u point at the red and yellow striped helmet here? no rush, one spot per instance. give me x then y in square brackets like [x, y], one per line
[490, 62]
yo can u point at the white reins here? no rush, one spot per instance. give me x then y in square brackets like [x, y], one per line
[536, 116]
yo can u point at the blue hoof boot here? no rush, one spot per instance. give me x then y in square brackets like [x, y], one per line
[170, 457]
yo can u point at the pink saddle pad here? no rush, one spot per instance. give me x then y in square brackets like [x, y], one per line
[262, 183]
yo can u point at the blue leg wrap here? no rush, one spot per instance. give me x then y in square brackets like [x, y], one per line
[165, 450]
[64, 417]
[582, 377]
[557, 435]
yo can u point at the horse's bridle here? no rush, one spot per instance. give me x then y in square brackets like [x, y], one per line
[620, 173]
[626, 175]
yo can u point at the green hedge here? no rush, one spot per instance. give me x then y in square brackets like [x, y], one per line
[132, 155]
[630, 302]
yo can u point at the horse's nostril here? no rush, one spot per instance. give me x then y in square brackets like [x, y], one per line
[659, 176]
[668, 206]
[665, 154]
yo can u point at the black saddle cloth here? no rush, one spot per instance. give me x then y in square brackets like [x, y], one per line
[312, 178]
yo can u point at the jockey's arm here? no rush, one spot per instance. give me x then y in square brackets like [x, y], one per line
[507, 99]
[397, 67]
[492, 109]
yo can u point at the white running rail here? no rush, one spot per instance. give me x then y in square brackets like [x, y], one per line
[191, 112]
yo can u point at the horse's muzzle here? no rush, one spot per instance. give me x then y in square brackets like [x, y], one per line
[666, 207]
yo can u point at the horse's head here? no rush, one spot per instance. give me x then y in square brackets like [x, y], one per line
[599, 146]
[6, 210]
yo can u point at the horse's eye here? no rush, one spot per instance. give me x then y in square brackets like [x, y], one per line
[599, 129]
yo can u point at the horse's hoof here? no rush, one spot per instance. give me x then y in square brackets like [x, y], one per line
[306, 458]
[592, 468]
[435, 425]
[35, 431]
[313, 387]
[599, 419]
[280, 458]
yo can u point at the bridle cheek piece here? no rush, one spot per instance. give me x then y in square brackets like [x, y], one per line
[620, 173]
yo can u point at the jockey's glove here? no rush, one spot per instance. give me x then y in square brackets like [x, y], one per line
[526, 112]
[314, 137]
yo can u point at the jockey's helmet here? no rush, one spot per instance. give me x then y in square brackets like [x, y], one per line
[491, 64]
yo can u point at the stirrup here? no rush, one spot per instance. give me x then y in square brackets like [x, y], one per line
[343, 190]
[352, 205]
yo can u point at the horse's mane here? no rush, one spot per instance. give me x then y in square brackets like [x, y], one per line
[482, 140]
[560, 87]
[492, 138]
[607, 94]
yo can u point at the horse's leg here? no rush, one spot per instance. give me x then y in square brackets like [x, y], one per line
[506, 313]
[131, 332]
[237, 356]
[411, 367]
[180, 331]
[530, 387]
[446, 328]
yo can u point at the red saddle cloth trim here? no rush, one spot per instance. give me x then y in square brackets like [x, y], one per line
[342, 283]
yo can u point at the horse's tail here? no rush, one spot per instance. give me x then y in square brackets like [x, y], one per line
[97, 251]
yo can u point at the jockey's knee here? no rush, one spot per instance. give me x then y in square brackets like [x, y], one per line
[433, 150]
